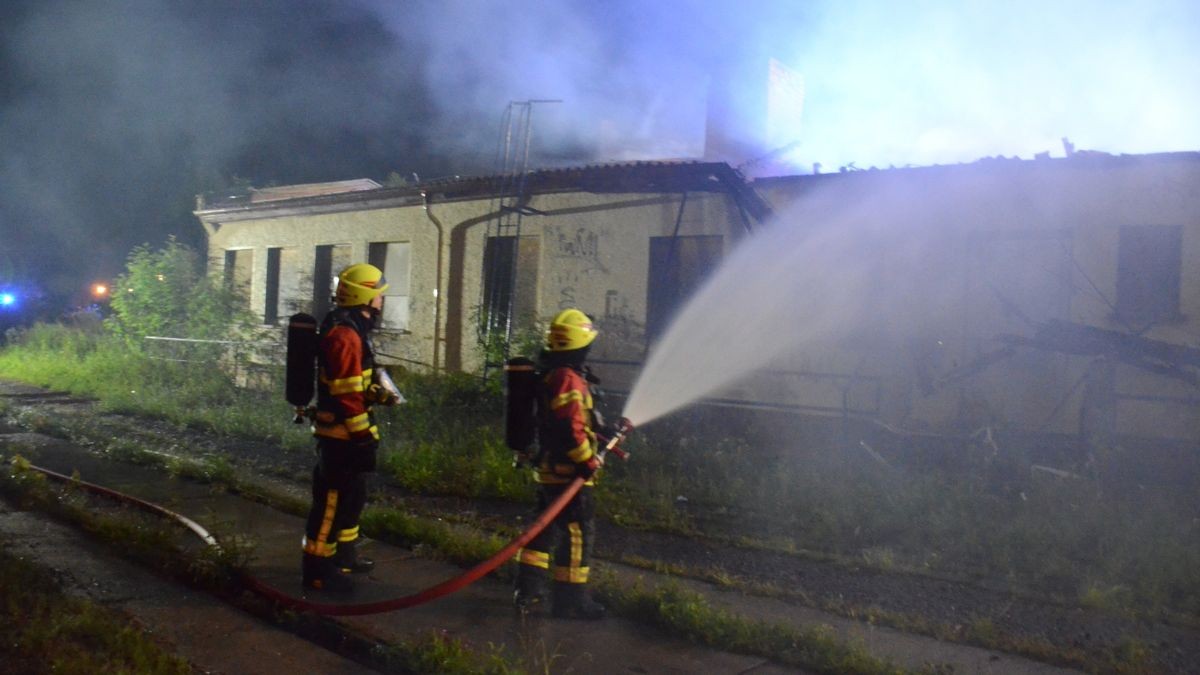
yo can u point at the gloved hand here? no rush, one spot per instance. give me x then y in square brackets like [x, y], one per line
[590, 467]
[380, 395]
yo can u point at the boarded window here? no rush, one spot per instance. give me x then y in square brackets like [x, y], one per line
[1149, 261]
[677, 266]
[331, 259]
[510, 282]
[239, 271]
[394, 258]
[283, 285]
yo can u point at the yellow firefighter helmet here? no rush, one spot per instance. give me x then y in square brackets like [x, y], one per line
[570, 329]
[359, 284]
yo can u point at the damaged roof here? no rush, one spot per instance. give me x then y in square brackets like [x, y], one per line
[660, 176]
[274, 194]
[1077, 159]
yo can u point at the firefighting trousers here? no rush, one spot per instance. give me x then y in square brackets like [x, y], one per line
[570, 537]
[339, 493]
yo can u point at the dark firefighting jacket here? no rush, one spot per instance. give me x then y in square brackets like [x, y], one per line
[346, 366]
[565, 420]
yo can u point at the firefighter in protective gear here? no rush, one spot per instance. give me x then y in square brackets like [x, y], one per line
[567, 448]
[348, 386]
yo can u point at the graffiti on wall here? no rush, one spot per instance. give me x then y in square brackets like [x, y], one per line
[580, 244]
[616, 305]
[577, 252]
[567, 283]
[617, 320]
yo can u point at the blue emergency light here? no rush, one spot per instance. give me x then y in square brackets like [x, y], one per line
[7, 299]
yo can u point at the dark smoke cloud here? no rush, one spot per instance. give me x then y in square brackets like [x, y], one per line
[116, 113]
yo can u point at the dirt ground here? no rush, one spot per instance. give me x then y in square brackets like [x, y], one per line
[811, 586]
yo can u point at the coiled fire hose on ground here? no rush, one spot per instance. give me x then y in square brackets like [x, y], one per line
[333, 609]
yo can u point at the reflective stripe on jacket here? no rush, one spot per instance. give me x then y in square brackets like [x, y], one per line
[564, 425]
[346, 366]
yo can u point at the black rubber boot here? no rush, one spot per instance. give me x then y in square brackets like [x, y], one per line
[571, 601]
[349, 562]
[531, 589]
[321, 574]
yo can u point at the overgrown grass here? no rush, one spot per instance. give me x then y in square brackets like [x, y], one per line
[437, 652]
[718, 477]
[1069, 538]
[124, 378]
[689, 614]
[51, 633]
[678, 612]
[43, 630]
[681, 613]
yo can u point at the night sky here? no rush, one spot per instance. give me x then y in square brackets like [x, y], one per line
[114, 114]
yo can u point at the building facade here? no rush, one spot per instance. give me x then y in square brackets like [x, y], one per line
[1049, 295]
[473, 255]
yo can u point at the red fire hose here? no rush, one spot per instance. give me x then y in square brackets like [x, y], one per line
[329, 609]
[433, 592]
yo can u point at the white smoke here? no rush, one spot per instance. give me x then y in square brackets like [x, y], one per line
[114, 113]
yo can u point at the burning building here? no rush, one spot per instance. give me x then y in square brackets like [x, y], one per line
[1057, 296]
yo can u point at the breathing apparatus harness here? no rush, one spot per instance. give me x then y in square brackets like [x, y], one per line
[303, 356]
[523, 382]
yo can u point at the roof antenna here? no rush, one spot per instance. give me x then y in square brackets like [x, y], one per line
[1068, 146]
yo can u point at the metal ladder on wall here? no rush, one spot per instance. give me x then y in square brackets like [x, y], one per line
[508, 197]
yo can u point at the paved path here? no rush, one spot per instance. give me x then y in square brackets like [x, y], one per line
[213, 636]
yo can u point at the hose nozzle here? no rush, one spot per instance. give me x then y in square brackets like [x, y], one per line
[624, 426]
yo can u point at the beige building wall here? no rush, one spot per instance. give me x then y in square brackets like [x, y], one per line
[304, 232]
[591, 253]
[994, 250]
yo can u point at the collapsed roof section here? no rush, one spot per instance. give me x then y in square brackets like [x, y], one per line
[630, 177]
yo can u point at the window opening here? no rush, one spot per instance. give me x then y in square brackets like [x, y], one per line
[283, 285]
[239, 271]
[330, 259]
[510, 283]
[394, 258]
[1149, 264]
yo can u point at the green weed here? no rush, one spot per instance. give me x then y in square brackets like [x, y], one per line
[1111, 598]
[148, 542]
[690, 615]
[1132, 656]
[440, 653]
[44, 630]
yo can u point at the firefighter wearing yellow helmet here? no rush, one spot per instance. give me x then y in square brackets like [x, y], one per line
[570, 330]
[567, 445]
[349, 385]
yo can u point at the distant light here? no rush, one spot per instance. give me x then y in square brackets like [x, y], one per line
[7, 299]
[161, 277]
[99, 290]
